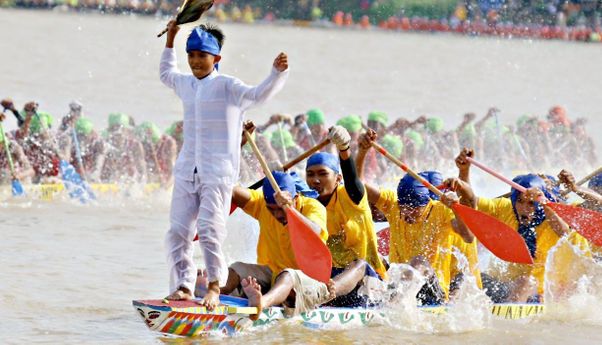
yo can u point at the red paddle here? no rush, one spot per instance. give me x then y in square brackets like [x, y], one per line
[587, 222]
[311, 253]
[501, 240]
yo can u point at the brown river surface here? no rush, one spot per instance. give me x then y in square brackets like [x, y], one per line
[68, 272]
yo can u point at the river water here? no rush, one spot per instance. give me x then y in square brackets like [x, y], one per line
[68, 272]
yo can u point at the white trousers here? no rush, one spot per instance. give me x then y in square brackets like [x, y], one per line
[207, 205]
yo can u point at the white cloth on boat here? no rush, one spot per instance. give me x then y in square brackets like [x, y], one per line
[208, 206]
[309, 293]
[208, 164]
[214, 108]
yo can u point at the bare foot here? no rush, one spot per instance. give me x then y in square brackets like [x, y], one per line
[253, 291]
[211, 299]
[202, 284]
[332, 290]
[181, 294]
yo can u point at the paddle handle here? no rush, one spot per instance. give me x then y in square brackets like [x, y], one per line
[264, 165]
[296, 160]
[497, 175]
[11, 165]
[405, 168]
[162, 32]
[590, 176]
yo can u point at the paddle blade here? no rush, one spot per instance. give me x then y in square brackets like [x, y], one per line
[192, 10]
[17, 188]
[588, 223]
[499, 238]
[383, 237]
[77, 188]
[311, 253]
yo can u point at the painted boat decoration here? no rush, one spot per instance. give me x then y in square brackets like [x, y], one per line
[189, 319]
[50, 191]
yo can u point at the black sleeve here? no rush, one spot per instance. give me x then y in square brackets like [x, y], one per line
[20, 119]
[353, 185]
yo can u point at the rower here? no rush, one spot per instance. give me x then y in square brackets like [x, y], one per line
[419, 226]
[538, 224]
[276, 273]
[351, 236]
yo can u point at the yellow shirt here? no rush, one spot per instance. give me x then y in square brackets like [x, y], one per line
[351, 234]
[469, 250]
[274, 247]
[546, 238]
[428, 236]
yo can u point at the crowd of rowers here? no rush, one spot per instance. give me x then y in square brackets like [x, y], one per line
[425, 233]
[341, 199]
[128, 153]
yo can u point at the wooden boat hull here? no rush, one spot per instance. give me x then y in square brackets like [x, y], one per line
[188, 319]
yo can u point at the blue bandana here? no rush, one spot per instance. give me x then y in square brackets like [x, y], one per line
[324, 158]
[527, 231]
[201, 40]
[596, 181]
[284, 180]
[302, 187]
[411, 192]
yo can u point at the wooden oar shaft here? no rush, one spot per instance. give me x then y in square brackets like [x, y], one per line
[162, 32]
[11, 165]
[262, 162]
[497, 175]
[296, 160]
[590, 176]
[407, 169]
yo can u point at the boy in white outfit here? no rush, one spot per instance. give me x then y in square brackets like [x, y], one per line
[207, 167]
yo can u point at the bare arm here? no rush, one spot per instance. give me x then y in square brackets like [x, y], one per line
[364, 145]
[559, 226]
[464, 165]
[240, 196]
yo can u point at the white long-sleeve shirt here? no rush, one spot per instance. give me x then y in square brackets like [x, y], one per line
[214, 109]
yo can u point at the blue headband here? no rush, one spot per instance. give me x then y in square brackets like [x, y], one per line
[286, 182]
[531, 181]
[411, 192]
[201, 40]
[324, 158]
[596, 181]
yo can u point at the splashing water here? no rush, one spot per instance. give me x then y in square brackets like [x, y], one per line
[573, 284]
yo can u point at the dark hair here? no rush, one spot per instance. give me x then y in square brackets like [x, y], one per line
[215, 31]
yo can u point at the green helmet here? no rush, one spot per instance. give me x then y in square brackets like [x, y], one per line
[280, 136]
[315, 117]
[119, 119]
[379, 116]
[393, 144]
[416, 138]
[434, 124]
[146, 129]
[351, 123]
[83, 126]
[42, 121]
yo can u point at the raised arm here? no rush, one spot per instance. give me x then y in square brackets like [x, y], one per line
[340, 137]
[365, 144]
[567, 178]
[168, 68]
[464, 165]
[246, 96]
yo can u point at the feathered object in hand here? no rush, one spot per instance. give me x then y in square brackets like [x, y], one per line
[190, 11]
